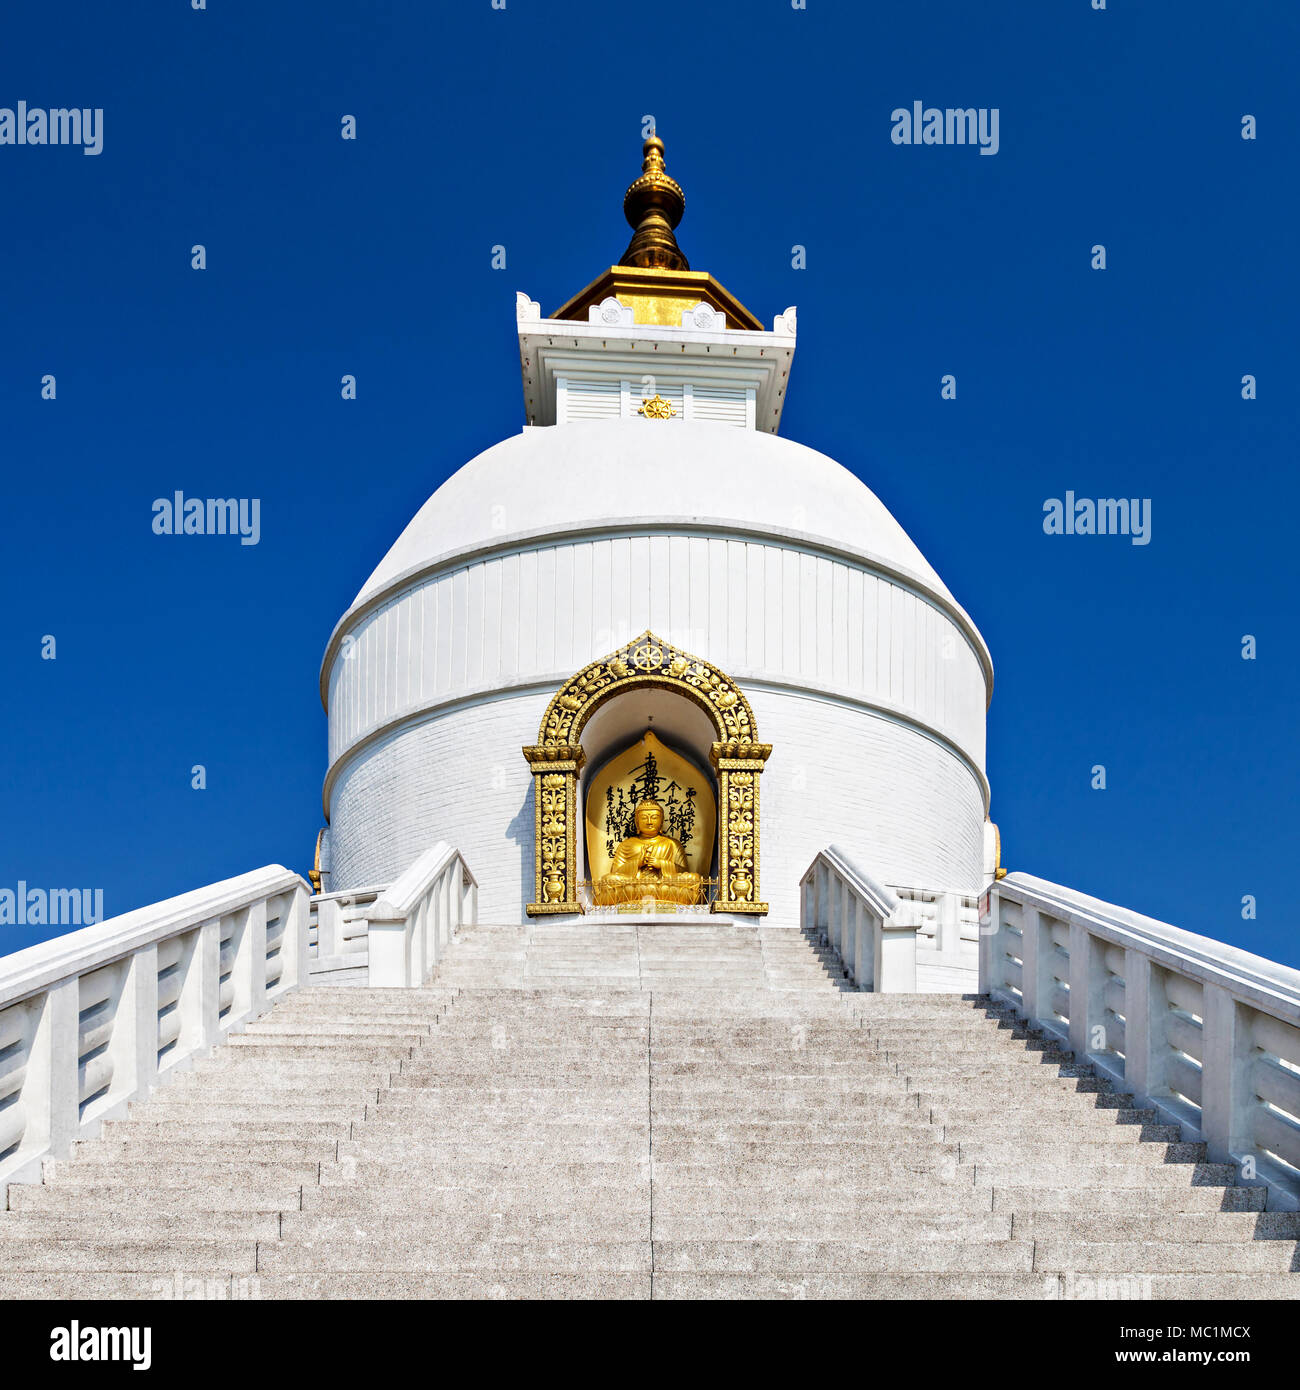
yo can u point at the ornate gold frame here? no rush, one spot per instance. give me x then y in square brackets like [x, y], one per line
[556, 759]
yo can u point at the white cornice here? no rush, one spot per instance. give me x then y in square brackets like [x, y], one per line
[730, 357]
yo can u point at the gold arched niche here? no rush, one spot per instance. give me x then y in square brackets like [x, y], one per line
[647, 768]
[736, 756]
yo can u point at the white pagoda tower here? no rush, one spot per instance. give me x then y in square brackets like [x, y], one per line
[647, 542]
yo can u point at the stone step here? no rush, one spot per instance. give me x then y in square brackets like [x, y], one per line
[905, 1285]
[598, 1127]
[1137, 1227]
[136, 1225]
[605, 1191]
[867, 1175]
[118, 1197]
[1119, 1173]
[563, 1174]
[79, 1285]
[1055, 1132]
[256, 1175]
[205, 1131]
[164, 1255]
[828, 1225]
[1166, 1257]
[590, 1086]
[455, 1229]
[913, 1255]
[494, 1284]
[331, 1029]
[250, 1108]
[434, 1150]
[558, 1256]
[1079, 1151]
[311, 1073]
[1019, 1196]
[190, 1150]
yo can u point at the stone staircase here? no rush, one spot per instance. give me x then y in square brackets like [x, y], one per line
[626, 1109]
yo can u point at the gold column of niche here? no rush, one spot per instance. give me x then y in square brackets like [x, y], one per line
[739, 764]
[737, 757]
[555, 800]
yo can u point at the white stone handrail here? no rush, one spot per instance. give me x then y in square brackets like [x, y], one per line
[339, 928]
[851, 911]
[1206, 1034]
[411, 923]
[90, 1020]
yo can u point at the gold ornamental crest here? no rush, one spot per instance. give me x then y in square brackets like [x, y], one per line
[656, 408]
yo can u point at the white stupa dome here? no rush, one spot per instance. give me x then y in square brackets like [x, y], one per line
[592, 473]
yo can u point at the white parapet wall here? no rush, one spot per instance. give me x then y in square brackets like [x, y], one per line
[858, 918]
[340, 932]
[1206, 1034]
[892, 939]
[411, 924]
[96, 1018]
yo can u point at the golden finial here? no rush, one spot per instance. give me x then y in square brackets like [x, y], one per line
[653, 206]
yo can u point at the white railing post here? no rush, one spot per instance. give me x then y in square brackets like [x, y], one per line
[450, 893]
[990, 946]
[1146, 1006]
[848, 915]
[1035, 955]
[255, 974]
[1225, 1090]
[895, 953]
[864, 950]
[387, 954]
[294, 943]
[329, 928]
[471, 900]
[1086, 981]
[206, 1000]
[135, 1033]
[852, 927]
[52, 1073]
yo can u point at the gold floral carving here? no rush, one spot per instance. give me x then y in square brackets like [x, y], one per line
[737, 757]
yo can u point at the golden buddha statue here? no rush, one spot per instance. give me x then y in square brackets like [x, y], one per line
[648, 865]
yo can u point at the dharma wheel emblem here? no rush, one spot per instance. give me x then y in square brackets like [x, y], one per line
[647, 657]
[656, 408]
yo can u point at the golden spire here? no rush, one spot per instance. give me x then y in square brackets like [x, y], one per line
[654, 280]
[653, 206]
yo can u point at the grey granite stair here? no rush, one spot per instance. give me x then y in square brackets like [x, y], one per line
[628, 1110]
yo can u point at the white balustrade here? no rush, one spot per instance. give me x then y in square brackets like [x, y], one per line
[852, 913]
[1206, 1034]
[91, 1020]
[340, 929]
[413, 920]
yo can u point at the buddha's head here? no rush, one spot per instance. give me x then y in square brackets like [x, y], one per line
[649, 817]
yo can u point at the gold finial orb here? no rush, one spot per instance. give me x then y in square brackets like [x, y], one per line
[653, 206]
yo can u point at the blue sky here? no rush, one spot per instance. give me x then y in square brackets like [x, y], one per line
[522, 127]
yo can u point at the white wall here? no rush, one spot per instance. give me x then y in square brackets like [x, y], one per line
[908, 803]
[758, 611]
